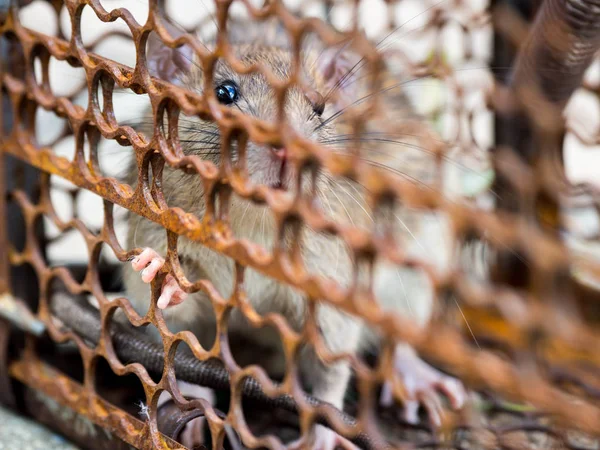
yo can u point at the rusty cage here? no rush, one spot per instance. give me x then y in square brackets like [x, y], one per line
[522, 337]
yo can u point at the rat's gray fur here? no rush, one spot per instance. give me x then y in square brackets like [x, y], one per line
[399, 289]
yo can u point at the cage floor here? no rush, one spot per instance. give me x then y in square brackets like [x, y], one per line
[19, 433]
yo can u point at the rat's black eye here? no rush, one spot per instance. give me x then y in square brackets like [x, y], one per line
[227, 92]
[317, 102]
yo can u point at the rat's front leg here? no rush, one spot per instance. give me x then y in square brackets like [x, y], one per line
[423, 385]
[151, 263]
[329, 382]
[331, 388]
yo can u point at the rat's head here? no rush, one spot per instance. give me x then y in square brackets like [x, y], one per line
[308, 111]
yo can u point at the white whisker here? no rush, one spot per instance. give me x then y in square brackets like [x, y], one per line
[410, 232]
[357, 202]
[254, 223]
[244, 213]
[262, 222]
[404, 292]
[135, 231]
[344, 206]
[337, 247]
[466, 322]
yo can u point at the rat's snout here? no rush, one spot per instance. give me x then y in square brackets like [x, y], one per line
[280, 156]
[279, 153]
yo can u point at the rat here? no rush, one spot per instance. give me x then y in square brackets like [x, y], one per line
[313, 112]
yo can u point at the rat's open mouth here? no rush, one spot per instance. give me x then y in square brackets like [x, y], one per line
[280, 184]
[279, 156]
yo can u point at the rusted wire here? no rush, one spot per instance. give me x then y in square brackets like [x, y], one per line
[527, 342]
[134, 347]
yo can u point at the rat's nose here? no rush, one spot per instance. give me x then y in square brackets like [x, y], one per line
[280, 153]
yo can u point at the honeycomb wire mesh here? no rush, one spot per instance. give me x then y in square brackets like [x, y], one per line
[528, 351]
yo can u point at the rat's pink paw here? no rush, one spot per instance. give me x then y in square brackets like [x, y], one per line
[171, 293]
[151, 263]
[324, 439]
[327, 439]
[423, 385]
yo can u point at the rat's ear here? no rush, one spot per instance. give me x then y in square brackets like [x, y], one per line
[165, 62]
[339, 68]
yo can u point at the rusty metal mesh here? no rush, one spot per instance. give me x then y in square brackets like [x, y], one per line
[531, 344]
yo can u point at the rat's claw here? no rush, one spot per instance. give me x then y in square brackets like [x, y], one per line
[423, 385]
[150, 261]
[150, 272]
[432, 403]
[386, 398]
[171, 293]
[410, 411]
[142, 260]
[454, 390]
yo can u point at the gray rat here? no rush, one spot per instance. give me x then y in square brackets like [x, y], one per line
[317, 114]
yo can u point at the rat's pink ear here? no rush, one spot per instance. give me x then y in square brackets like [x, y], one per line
[168, 63]
[339, 68]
